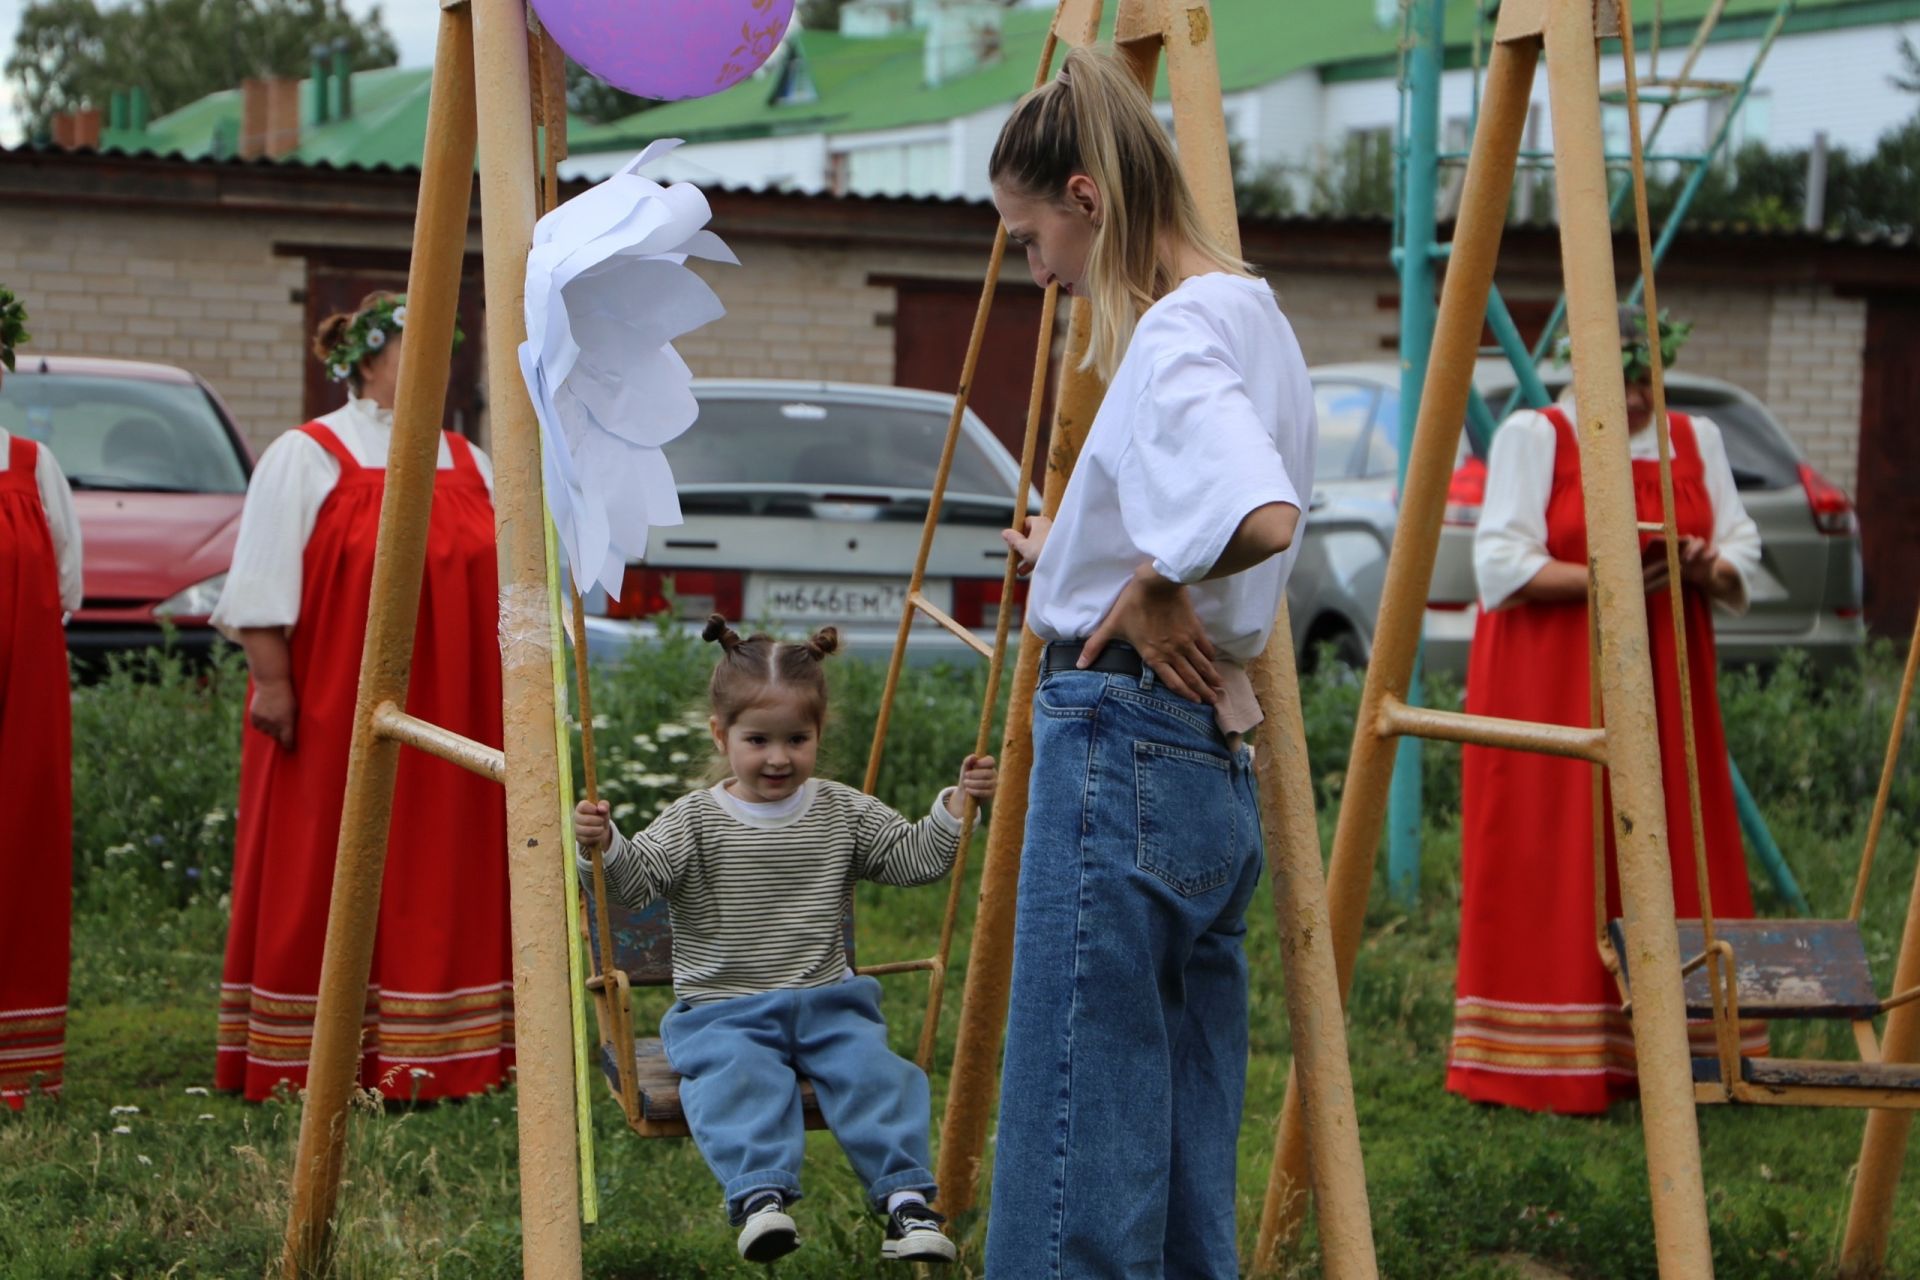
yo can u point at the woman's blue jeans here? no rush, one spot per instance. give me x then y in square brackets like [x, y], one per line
[1126, 1050]
[741, 1060]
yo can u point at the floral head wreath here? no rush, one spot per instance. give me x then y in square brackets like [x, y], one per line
[13, 326]
[1636, 355]
[369, 333]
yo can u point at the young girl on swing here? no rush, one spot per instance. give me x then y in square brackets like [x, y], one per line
[757, 872]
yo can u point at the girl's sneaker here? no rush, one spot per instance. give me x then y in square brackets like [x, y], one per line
[768, 1232]
[914, 1235]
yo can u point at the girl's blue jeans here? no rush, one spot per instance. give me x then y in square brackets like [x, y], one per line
[741, 1061]
[1127, 1029]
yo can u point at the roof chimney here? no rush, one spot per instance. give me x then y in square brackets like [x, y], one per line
[139, 110]
[342, 80]
[317, 85]
[253, 118]
[283, 117]
[117, 109]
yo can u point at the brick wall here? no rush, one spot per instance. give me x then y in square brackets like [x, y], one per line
[1814, 373]
[207, 292]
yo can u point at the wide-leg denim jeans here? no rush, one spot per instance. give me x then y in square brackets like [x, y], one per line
[1127, 1030]
[741, 1061]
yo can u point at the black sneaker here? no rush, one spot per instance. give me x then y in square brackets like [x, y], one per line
[914, 1235]
[767, 1232]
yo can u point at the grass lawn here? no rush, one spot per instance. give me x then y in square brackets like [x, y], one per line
[139, 1172]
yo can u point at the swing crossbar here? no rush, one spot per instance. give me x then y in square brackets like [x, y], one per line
[1785, 969]
[1396, 718]
[929, 609]
[389, 721]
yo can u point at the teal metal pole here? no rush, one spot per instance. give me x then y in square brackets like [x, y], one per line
[1761, 841]
[1526, 372]
[1418, 173]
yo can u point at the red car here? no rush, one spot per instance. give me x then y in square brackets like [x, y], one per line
[158, 474]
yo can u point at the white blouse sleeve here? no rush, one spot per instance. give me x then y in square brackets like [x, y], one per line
[57, 497]
[1198, 463]
[1735, 536]
[1510, 542]
[294, 477]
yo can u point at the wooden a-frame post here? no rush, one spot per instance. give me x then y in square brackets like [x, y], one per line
[488, 37]
[1182, 31]
[1568, 32]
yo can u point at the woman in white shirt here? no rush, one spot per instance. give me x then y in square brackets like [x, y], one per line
[440, 999]
[39, 582]
[1537, 1019]
[1155, 584]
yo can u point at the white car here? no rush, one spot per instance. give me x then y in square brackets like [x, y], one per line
[803, 505]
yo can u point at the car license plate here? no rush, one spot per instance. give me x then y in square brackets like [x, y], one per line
[845, 601]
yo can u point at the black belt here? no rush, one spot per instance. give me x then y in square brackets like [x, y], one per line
[1116, 659]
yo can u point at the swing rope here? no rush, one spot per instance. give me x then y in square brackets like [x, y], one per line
[609, 982]
[1716, 955]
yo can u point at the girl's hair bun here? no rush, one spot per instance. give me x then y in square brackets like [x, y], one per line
[825, 642]
[717, 629]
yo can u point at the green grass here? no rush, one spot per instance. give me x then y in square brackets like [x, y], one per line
[197, 1184]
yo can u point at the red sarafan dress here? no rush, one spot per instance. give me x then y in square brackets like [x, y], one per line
[439, 1015]
[36, 791]
[1537, 1019]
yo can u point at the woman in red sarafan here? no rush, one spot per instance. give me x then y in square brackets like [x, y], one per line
[39, 584]
[1537, 1019]
[439, 1015]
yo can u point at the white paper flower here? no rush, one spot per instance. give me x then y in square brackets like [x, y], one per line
[376, 339]
[608, 290]
[400, 316]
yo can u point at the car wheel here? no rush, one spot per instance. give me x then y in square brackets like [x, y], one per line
[1338, 646]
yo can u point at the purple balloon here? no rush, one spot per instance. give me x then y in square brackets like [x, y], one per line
[667, 49]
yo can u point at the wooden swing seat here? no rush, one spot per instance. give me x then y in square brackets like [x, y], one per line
[1791, 969]
[643, 957]
[1782, 968]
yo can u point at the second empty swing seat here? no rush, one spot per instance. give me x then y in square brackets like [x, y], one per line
[643, 950]
[1785, 969]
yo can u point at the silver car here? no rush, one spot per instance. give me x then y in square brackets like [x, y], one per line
[804, 503]
[1806, 595]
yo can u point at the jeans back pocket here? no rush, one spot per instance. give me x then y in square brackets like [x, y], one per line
[1188, 823]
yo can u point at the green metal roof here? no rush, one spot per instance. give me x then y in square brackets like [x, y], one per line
[871, 84]
[388, 126]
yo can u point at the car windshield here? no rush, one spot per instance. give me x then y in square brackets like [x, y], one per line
[125, 433]
[1343, 410]
[822, 442]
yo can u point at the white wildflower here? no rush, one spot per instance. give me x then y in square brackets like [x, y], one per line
[678, 757]
[376, 339]
[122, 1130]
[639, 740]
[600, 723]
[623, 811]
[213, 819]
[124, 1110]
[119, 850]
[400, 316]
[668, 732]
[144, 1159]
[205, 1115]
[198, 1091]
[166, 864]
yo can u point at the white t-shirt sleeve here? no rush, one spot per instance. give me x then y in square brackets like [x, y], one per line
[64, 526]
[1735, 536]
[1510, 542]
[1199, 461]
[294, 477]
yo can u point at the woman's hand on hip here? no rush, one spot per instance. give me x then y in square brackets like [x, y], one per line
[1028, 545]
[274, 710]
[1157, 618]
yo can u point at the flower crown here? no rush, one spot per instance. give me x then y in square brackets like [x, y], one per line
[1636, 356]
[369, 332]
[13, 326]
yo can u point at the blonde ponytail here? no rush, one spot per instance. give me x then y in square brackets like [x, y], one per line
[1095, 119]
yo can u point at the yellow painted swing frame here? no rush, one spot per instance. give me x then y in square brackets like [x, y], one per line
[487, 42]
[1623, 740]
